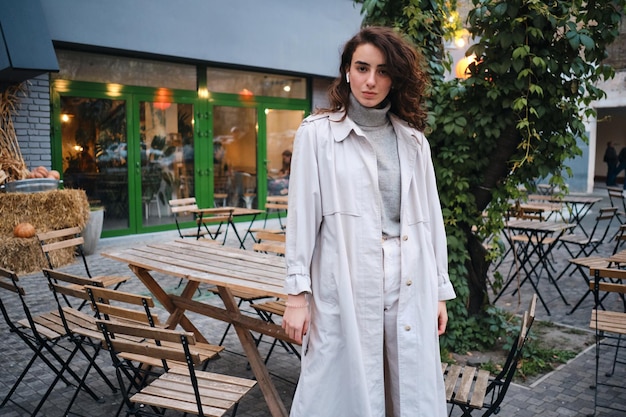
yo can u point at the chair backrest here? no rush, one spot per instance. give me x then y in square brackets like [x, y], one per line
[620, 238]
[274, 237]
[270, 242]
[504, 378]
[64, 285]
[56, 241]
[616, 197]
[181, 206]
[9, 283]
[525, 212]
[122, 339]
[110, 304]
[605, 215]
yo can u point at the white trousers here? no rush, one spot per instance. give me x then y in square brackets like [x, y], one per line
[391, 271]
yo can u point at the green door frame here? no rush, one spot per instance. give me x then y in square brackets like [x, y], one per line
[203, 134]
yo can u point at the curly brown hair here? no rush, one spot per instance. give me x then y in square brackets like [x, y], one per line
[404, 66]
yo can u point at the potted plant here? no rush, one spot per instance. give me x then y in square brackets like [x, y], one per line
[93, 229]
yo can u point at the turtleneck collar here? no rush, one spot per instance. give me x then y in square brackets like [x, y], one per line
[368, 116]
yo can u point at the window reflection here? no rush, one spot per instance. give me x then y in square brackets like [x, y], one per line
[167, 157]
[250, 84]
[95, 154]
[234, 156]
[281, 131]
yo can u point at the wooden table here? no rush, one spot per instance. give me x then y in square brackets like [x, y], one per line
[226, 215]
[541, 238]
[228, 269]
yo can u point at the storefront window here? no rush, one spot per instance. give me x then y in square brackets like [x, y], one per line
[167, 157]
[95, 154]
[281, 131]
[234, 156]
[82, 66]
[250, 84]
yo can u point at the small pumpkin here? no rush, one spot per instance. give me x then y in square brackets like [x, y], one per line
[24, 230]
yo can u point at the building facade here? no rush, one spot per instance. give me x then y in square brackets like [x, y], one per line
[155, 100]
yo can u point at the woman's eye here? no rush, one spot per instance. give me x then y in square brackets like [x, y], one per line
[361, 68]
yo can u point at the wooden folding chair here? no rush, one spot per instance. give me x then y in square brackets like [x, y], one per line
[80, 328]
[43, 334]
[270, 242]
[72, 239]
[136, 309]
[609, 325]
[278, 205]
[185, 206]
[180, 388]
[473, 389]
[616, 197]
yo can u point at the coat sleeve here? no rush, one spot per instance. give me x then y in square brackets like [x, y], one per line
[438, 231]
[304, 209]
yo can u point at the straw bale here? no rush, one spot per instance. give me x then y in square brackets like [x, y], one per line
[46, 210]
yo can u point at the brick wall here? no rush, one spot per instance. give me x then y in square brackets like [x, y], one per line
[32, 123]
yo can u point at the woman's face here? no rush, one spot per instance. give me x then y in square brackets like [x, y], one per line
[369, 81]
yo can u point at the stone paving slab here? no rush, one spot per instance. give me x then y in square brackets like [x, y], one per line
[564, 392]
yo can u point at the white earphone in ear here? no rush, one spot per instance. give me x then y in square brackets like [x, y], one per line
[348, 78]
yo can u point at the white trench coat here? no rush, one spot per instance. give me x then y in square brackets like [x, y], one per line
[334, 251]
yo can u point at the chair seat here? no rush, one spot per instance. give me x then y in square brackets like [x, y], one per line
[524, 238]
[272, 247]
[590, 261]
[578, 239]
[174, 390]
[111, 280]
[206, 352]
[272, 307]
[465, 385]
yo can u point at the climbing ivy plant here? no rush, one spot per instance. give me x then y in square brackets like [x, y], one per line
[517, 117]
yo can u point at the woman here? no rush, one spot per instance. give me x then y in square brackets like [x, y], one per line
[366, 247]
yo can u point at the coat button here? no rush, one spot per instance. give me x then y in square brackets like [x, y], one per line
[409, 283]
[407, 328]
[405, 237]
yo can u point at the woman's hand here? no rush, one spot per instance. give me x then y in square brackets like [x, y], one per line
[297, 317]
[442, 317]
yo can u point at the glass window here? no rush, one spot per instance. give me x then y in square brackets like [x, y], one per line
[248, 84]
[234, 156]
[167, 157]
[281, 131]
[82, 66]
[95, 154]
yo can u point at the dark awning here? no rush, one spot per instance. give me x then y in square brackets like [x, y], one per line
[26, 48]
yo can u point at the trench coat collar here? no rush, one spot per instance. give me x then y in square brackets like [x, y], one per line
[341, 128]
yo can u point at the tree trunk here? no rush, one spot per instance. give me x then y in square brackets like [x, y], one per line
[477, 265]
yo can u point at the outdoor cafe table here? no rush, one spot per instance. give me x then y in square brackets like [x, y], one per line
[228, 269]
[226, 214]
[540, 239]
[577, 205]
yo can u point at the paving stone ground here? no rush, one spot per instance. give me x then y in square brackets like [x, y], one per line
[564, 392]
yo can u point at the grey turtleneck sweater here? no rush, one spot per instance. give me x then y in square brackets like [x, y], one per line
[379, 132]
